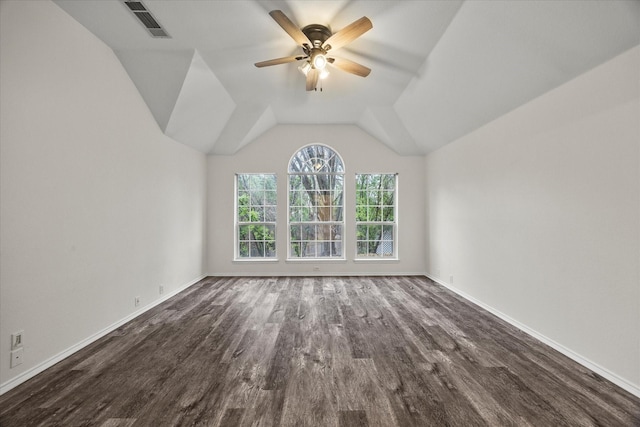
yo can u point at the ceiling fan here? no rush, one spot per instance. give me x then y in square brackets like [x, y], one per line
[317, 42]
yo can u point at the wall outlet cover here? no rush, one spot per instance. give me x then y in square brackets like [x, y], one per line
[16, 357]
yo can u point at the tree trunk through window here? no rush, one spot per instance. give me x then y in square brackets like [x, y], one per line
[318, 172]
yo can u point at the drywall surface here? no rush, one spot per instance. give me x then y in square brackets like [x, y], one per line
[97, 206]
[271, 153]
[537, 216]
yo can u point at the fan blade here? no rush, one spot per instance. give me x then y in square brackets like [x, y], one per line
[349, 66]
[290, 27]
[312, 79]
[348, 34]
[277, 61]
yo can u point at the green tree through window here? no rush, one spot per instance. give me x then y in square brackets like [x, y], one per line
[375, 215]
[256, 199]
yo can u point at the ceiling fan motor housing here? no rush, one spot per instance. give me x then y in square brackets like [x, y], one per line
[317, 34]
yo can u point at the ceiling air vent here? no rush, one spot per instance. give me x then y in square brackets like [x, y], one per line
[146, 19]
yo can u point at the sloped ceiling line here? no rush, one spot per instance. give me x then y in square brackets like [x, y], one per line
[158, 76]
[202, 108]
[440, 68]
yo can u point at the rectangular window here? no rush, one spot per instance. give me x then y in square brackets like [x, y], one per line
[376, 213]
[256, 200]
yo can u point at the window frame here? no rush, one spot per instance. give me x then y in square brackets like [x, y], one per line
[315, 223]
[238, 223]
[368, 257]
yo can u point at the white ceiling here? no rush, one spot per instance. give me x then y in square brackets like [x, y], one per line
[440, 69]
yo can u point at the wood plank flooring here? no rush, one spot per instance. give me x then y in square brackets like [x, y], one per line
[324, 351]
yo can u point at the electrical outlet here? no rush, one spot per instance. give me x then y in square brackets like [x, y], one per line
[16, 340]
[161, 289]
[316, 268]
[16, 357]
[136, 301]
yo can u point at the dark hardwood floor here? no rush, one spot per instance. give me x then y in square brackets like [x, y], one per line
[329, 351]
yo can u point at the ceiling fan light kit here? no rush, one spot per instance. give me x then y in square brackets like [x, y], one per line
[316, 42]
[318, 59]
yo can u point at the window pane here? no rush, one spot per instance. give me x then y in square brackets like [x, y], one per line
[295, 251]
[256, 214]
[296, 233]
[243, 198]
[258, 182]
[336, 232]
[243, 249]
[336, 214]
[338, 184]
[387, 198]
[267, 232]
[385, 246]
[243, 183]
[375, 232]
[243, 214]
[270, 198]
[309, 250]
[307, 214]
[373, 214]
[361, 232]
[295, 198]
[243, 232]
[308, 232]
[388, 214]
[257, 249]
[336, 249]
[257, 198]
[294, 214]
[270, 248]
[270, 214]
[362, 248]
[323, 232]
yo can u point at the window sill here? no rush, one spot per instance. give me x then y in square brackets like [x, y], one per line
[310, 260]
[376, 260]
[244, 260]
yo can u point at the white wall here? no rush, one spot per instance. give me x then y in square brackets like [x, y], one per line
[97, 205]
[537, 216]
[270, 153]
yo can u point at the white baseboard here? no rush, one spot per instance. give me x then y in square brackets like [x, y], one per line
[16, 381]
[315, 274]
[619, 381]
[616, 379]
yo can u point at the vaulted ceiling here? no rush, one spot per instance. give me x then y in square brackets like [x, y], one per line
[440, 69]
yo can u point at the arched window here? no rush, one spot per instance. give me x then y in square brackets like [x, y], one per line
[316, 203]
